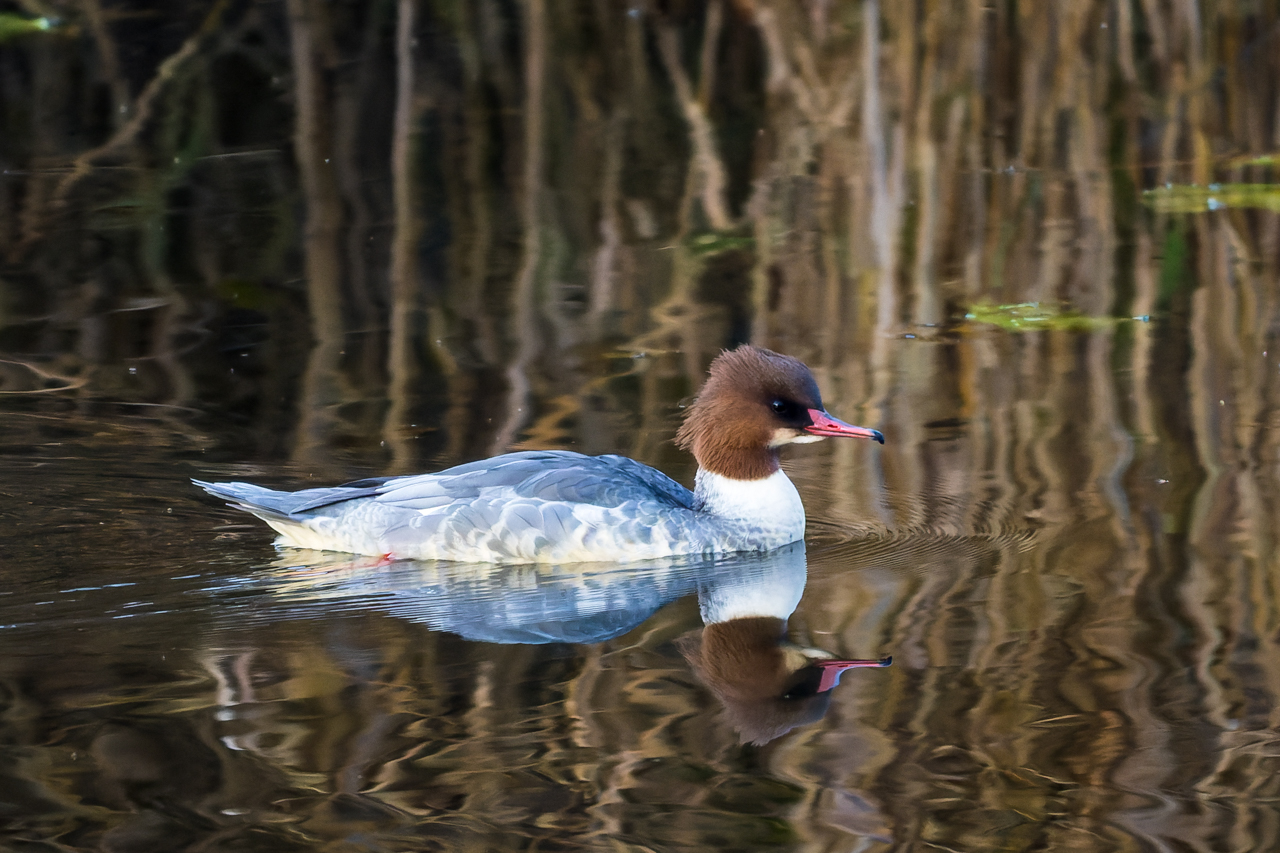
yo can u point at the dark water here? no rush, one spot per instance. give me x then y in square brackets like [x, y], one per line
[297, 243]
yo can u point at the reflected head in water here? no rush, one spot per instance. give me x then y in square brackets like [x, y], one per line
[557, 506]
[767, 685]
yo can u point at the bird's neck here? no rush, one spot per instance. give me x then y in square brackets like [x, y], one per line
[737, 463]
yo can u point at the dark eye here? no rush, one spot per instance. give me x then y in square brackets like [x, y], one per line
[783, 407]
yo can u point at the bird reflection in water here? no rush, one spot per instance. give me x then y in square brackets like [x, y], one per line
[767, 684]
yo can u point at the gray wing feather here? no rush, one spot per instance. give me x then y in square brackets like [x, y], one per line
[554, 519]
[425, 502]
[526, 515]
[560, 475]
[317, 498]
[516, 503]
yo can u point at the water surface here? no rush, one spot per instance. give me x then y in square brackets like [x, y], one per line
[1035, 244]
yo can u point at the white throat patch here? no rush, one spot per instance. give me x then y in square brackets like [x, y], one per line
[793, 436]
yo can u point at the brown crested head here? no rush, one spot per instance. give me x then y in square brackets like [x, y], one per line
[754, 400]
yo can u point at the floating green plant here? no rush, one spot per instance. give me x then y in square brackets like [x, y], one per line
[1255, 160]
[1037, 316]
[12, 26]
[713, 243]
[1192, 198]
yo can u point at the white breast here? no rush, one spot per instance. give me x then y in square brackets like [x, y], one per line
[770, 508]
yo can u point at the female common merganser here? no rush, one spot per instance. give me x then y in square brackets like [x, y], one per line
[557, 506]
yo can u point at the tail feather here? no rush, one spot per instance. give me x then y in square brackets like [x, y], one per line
[264, 503]
[270, 504]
